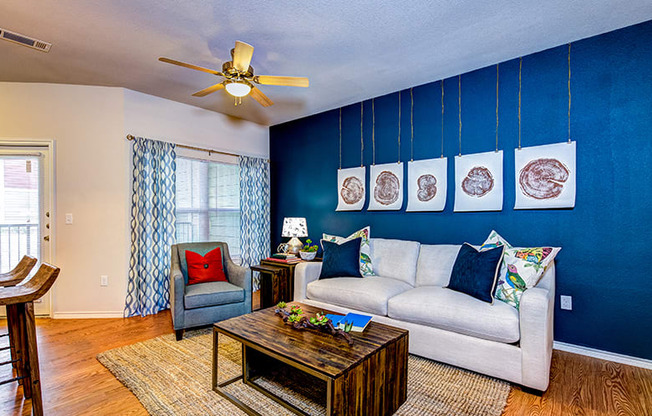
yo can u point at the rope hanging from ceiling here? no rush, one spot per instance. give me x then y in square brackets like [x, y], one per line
[459, 110]
[340, 137]
[361, 134]
[442, 118]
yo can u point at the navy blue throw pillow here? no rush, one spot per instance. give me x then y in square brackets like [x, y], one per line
[475, 272]
[341, 260]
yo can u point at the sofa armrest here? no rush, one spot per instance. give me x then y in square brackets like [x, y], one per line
[536, 311]
[305, 273]
[240, 276]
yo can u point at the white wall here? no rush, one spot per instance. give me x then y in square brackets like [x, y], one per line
[161, 119]
[92, 171]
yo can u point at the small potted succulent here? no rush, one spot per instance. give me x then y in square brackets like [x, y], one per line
[308, 251]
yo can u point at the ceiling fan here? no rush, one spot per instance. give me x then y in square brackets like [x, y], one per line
[239, 76]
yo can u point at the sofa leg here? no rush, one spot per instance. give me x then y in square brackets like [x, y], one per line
[179, 334]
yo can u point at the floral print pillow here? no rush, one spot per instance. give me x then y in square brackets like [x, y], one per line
[521, 268]
[366, 269]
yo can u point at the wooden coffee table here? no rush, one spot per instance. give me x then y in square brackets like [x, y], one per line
[367, 378]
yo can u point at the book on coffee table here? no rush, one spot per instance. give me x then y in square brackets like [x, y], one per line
[358, 321]
[335, 318]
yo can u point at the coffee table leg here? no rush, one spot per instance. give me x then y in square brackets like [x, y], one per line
[215, 346]
[329, 397]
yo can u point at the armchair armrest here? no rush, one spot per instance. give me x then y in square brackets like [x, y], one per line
[305, 273]
[240, 276]
[536, 319]
[177, 290]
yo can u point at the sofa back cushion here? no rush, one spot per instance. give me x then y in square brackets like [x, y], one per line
[435, 264]
[395, 258]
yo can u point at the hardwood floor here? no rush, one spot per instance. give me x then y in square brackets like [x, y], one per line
[72, 380]
[75, 383]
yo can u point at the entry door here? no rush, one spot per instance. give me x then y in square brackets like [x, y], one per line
[25, 215]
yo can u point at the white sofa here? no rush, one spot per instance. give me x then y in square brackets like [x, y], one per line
[448, 326]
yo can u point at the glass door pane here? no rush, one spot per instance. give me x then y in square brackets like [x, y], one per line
[20, 231]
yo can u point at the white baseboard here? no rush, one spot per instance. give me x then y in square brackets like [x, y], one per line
[88, 315]
[603, 355]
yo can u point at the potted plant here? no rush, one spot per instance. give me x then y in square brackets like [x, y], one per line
[308, 251]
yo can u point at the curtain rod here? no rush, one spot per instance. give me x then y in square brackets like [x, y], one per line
[199, 149]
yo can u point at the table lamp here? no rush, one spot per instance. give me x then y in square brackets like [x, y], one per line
[294, 227]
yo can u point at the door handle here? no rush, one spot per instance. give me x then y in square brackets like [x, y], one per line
[46, 238]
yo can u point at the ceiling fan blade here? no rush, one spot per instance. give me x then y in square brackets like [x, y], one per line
[208, 90]
[260, 97]
[191, 66]
[242, 56]
[284, 81]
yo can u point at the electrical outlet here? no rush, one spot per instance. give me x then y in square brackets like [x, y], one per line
[566, 302]
[104, 280]
[68, 218]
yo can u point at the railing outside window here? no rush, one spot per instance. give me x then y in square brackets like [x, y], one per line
[16, 239]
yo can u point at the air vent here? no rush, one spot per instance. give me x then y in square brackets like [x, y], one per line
[14, 37]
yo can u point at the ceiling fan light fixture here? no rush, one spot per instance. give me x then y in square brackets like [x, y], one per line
[238, 88]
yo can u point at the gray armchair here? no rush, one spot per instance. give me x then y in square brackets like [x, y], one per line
[206, 303]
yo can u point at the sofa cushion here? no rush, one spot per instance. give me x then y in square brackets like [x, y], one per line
[367, 295]
[521, 269]
[435, 264]
[212, 294]
[475, 272]
[341, 259]
[366, 267]
[395, 258]
[454, 311]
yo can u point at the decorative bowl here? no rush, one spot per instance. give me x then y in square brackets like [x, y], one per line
[307, 255]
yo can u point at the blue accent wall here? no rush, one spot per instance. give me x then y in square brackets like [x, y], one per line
[606, 238]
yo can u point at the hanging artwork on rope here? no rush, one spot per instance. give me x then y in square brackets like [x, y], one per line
[351, 182]
[545, 176]
[426, 181]
[386, 187]
[479, 182]
[386, 181]
[427, 185]
[351, 189]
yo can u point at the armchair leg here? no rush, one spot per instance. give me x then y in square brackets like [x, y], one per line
[179, 334]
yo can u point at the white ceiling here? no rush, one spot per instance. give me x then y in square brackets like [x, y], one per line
[350, 50]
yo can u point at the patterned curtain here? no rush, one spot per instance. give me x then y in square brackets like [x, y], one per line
[254, 208]
[152, 227]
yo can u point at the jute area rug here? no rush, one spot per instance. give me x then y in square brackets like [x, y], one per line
[174, 378]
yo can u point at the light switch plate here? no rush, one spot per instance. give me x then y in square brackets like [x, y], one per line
[68, 218]
[566, 302]
[104, 280]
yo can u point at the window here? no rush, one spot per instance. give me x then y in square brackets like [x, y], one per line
[208, 203]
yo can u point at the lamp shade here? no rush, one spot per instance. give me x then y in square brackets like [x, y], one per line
[294, 227]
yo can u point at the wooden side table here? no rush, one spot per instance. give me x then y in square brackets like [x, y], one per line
[274, 283]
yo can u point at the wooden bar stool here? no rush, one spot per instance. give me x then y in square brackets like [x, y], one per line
[12, 278]
[19, 301]
[20, 272]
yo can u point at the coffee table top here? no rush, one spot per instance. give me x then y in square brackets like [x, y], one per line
[319, 351]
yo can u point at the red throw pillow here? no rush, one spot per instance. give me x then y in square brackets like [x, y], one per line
[208, 268]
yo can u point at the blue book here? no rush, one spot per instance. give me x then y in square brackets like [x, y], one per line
[335, 319]
[359, 322]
